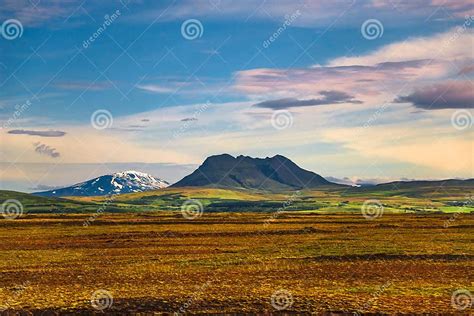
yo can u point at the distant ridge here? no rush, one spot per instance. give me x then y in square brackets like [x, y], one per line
[277, 173]
[117, 183]
[421, 183]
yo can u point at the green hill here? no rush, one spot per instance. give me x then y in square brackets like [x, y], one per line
[424, 196]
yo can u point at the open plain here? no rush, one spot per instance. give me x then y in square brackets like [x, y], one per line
[302, 263]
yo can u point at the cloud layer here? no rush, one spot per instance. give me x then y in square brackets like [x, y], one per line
[424, 71]
[314, 13]
[448, 95]
[327, 97]
[37, 133]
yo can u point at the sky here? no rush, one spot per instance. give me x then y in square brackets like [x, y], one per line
[357, 91]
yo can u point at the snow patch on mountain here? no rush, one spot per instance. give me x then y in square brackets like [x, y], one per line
[117, 183]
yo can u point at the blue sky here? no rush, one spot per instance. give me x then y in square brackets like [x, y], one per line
[352, 105]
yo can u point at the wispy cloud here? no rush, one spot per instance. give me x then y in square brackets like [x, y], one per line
[44, 149]
[315, 13]
[467, 70]
[177, 85]
[155, 88]
[37, 133]
[328, 97]
[83, 85]
[35, 13]
[368, 81]
[455, 7]
[129, 128]
[44, 187]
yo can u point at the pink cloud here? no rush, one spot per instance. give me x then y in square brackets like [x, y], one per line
[306, 82]
[379, 76]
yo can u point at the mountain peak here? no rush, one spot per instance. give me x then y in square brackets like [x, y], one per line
[277, 173]
[280, 157]
[117, 183]
[131, 172]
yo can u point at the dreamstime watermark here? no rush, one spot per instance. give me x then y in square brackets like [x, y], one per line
[191, 299]
[462, 119]
[101, 300]
[215, 3]
[468, 20]
[11, 29]
[108, 20]
[17, 291]
[281, 300]
[375, 116]
[289, 19]
[372, 209]
[11, 209]
[19, 110]
[372, 29]
[282, 119]
[192, 29]
[452, 219]
[461, 299]
[282, 209]
[102, 119]
[188, 122]
[192, 209]
[99, 211]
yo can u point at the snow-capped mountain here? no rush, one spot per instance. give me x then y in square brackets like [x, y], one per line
[117, 183]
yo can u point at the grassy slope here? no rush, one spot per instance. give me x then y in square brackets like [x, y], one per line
[420, 198]
[330, 199]
[172, 199]
[33, 204]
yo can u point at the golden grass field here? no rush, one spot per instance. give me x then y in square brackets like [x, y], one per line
[232, 262]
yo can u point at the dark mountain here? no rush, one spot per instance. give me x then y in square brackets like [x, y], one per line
[117, 183]
[272, 174]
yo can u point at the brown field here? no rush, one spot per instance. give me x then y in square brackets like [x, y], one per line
[229, 263]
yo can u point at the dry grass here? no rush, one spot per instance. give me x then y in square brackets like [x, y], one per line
[234, 263]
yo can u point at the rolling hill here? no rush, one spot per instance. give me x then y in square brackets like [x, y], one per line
[38, 204]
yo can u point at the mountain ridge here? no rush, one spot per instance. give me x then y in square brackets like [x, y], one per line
[277, 173]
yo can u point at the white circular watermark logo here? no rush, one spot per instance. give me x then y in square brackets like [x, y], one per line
[282, 299]
[102, 299]
[461, 120]
[192, 29]
[102, 119]
[371, 209]
[372, 29]
[12, 29]
[461, 299]
[12, 209]
[192, 209]
[282, 119]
